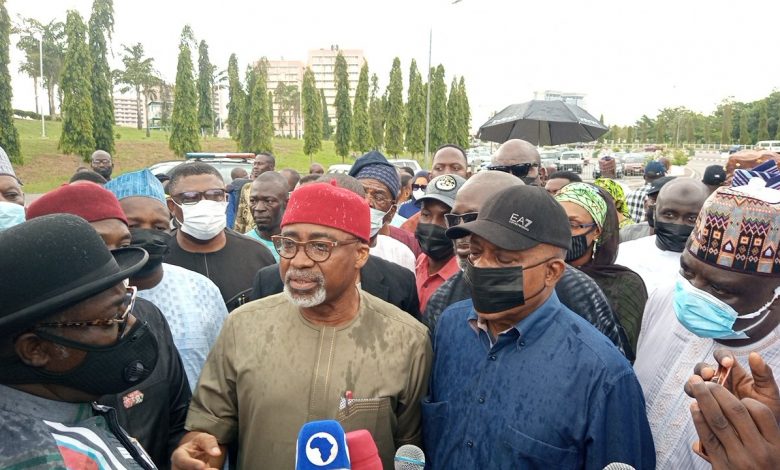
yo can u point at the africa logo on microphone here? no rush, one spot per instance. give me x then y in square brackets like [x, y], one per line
[321, 449]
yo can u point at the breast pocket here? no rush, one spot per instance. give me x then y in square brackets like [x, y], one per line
[374, 414]
[530, 453]
[434, 420]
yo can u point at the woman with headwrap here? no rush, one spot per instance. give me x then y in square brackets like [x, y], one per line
[619, 198]
[419, 183]
[594, 245]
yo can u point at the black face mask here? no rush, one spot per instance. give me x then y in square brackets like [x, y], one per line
[434, 242]
[104, 171]
[530, 180]
[671, 237]
[579, 245]
[105, 370]
[650, 213]
[496, 290]
[155, 242]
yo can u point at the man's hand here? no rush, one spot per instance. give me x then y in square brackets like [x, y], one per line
[734, 434]
[198, 451]
[759, 386]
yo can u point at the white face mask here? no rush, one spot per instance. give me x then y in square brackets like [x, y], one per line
[377, 221]
[418, 193]
[203, 220]
[10, 214]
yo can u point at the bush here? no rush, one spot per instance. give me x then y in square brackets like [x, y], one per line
[679, 157]
[33, 115]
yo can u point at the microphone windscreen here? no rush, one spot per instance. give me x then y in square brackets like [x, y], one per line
[619, 466]
[409, 457]
[322, 445]
[363, 454]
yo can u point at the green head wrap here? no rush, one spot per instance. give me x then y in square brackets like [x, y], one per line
[587, 197]
[617, 192]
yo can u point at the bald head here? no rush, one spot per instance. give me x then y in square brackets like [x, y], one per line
[515, 152]
[680, 201]
[102, 163]
[482, 187]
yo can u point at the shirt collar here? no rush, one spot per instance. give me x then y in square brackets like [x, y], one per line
[531, 327]
[446, 271]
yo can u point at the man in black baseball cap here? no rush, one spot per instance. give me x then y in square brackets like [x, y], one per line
[714, 177]
[515, 342]
[68, 336]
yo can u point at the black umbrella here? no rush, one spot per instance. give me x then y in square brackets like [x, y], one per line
[542, 123]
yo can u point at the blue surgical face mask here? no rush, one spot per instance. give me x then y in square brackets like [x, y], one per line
[706, 316]
[377, 221]
[10, 214]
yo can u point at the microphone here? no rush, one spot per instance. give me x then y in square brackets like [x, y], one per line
[409, 457]
[619, 466]
[322, 445]
[363, 454]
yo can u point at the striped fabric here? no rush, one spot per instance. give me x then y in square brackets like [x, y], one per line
[767, 171]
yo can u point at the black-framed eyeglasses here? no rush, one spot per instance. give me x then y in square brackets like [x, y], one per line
[519, 169]
[577, 226]
[121, 319]
[415, 187]
[453, 219]
[188, 198]
[317, 250]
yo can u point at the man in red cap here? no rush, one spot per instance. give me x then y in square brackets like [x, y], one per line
[323, 349]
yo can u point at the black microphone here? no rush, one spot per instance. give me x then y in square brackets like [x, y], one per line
[619, 466]
[409, 457]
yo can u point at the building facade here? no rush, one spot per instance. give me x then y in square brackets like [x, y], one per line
[290, 74]
[565, 96]
[323, 62]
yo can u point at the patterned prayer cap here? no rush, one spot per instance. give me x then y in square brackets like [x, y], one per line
[5, 165]
[587, 197]
[141, 183]
[738, 229]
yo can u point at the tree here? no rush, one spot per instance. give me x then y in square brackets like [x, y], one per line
[184, 121]
[415, 112]
[245, 127]
[77, 116]
[53, 54]
[763, 121]
[9, 137]
[395, 124]
[235, 97]
[453, 113]
[312, 115]
[101, 25]
[260, 118]
[725, 126]
[744, 133]
[438, 126]
[280, 98]
[376, 115]
[205, 90]
[271, 111]
[343, 107]
[361, 128]
[327, 129]
[464, 132]
[138, 75]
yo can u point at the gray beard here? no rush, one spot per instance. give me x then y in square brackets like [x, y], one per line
[306, 301]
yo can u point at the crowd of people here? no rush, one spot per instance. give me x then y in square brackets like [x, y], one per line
[512, 318]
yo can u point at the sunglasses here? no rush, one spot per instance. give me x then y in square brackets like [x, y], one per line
[419, 186]
[452, 219]
[520, 169]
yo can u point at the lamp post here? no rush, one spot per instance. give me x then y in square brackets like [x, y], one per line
[39, 37]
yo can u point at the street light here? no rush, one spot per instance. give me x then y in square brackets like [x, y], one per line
[428, 95]
[39, 37]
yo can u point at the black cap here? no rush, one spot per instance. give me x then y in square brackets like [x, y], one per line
[714, 175]
[519, 218]
[656, 185]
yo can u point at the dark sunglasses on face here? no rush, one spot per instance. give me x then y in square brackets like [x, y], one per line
[415, 187]
[193, 197]
[520, 169]
[452, 219]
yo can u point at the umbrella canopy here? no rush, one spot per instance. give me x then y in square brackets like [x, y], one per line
[542, 123]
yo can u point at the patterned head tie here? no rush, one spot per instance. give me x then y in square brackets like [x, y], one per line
[587, 197]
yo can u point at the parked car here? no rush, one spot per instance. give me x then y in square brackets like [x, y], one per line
[572, 160]
[339, 168]
[735, 148]
[223, 162]
[402, 162]
[550, 158]
[634, 164]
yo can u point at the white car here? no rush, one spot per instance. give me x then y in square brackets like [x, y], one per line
[402, 162]
[340, 168]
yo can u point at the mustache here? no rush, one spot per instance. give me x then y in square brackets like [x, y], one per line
[303, 275]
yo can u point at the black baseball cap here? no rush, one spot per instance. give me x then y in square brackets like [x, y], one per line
[519, 218]
[656, 185]
[714, 175]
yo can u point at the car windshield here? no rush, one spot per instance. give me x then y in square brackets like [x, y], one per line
[634, 159]
[570, 156]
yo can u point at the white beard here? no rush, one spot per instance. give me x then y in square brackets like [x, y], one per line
[308, 300]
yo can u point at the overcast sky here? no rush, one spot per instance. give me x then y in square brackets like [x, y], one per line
[629, 57]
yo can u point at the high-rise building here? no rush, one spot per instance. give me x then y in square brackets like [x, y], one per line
[565, 96]
[289, 73]
[322, 63]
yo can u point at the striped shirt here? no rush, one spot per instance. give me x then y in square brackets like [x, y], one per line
[635, 201]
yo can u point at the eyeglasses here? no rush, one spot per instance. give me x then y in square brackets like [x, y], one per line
[189, 198]
[317, 250]
[576, 226]
[520, 169]
[415, 187]
[378, 197]
[453, 219]
[101, 162]
[121, 319]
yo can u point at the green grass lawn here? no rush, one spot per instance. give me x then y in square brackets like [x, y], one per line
[45, 167]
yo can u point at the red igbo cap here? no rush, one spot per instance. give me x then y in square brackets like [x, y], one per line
[85, 199]
[330, 206]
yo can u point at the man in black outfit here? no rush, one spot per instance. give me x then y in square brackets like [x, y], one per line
[202, 243]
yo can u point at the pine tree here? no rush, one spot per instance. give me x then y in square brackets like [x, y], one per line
[343, 107]
[438, 109]
[312, 115]
[271, 112]
[260, 119]
[9, 137]
[453, 113]
[101, 25]
[327, 129]
[415, 112]
[361, 129]
[464, 129]
[376, 115]
[763, 121]
[77, 116]
[205, 89]
[744, 132]
[395, 123]
[725, 125]
[245, 127]
[184, 121]
[235, 97]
